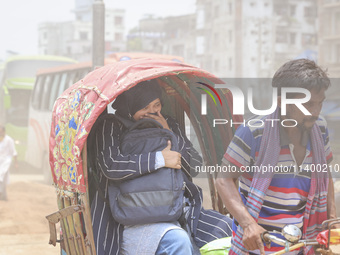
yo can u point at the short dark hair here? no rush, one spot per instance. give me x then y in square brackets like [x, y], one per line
[301, 73]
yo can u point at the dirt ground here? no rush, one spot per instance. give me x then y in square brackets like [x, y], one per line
[23, 226]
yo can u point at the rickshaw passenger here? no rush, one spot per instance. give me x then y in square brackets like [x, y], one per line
[143, 101]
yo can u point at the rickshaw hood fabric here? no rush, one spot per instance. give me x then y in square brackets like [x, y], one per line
[76, 110]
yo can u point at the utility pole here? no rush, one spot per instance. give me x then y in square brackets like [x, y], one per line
[98, 33]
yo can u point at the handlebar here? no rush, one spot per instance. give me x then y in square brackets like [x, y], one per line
[292, 235]
[268, 238]
[271, 238]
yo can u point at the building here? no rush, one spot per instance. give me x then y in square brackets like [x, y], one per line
[215, 36]
[74, 38]
[235, 38]
[148, 36]
[170, 35]
[329, 57]
[178, 37]
[329, 36]
[296, 30]
[115, 30]
[251, 38]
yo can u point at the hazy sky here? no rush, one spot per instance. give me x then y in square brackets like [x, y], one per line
[19, 19]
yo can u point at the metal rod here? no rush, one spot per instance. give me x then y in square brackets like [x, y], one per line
[275, 239]
[70, 230]
[64, 227]
[293, 247]
[78, 229]
[84, 198]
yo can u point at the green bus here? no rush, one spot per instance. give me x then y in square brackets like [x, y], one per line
[16, 84]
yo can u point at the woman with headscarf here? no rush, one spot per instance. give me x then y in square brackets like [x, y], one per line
[144, 101]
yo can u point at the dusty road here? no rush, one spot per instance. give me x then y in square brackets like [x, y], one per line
[23, 226]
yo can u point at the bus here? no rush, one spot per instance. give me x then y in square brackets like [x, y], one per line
[17, 82]
[49, 85]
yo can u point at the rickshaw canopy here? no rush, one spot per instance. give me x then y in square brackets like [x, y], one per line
[76, 110]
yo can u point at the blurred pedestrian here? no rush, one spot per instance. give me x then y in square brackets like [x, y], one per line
[7, 153]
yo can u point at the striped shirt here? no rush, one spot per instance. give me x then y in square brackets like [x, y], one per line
[286, 196]
[110, 164]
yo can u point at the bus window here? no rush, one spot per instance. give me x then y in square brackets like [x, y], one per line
[71, 79]
[45, 92]
[37, 92]
[18, 113]
[78, 76]
[62, 84]
[84, 72]
[54, 91]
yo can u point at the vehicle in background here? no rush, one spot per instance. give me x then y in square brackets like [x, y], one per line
[50, 84]
[17, 82]
[122, 56]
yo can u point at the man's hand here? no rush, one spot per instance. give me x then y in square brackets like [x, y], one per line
[158, 118]
[252, 237]
[172, 159]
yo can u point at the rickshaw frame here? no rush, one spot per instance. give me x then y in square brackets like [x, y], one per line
[77, 109]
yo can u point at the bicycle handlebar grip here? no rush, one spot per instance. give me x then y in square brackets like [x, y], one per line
[265, 236]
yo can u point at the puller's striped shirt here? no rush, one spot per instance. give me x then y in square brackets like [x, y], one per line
[286, 196]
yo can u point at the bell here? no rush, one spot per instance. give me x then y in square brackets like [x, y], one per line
[292, 233]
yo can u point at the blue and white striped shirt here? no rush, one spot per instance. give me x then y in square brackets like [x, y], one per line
[205, 225]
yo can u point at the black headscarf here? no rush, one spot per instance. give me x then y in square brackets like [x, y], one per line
[136, 98]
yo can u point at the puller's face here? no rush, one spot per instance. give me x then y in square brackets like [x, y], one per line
[314, 106]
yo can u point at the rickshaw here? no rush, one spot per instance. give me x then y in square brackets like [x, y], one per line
[78, 108]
